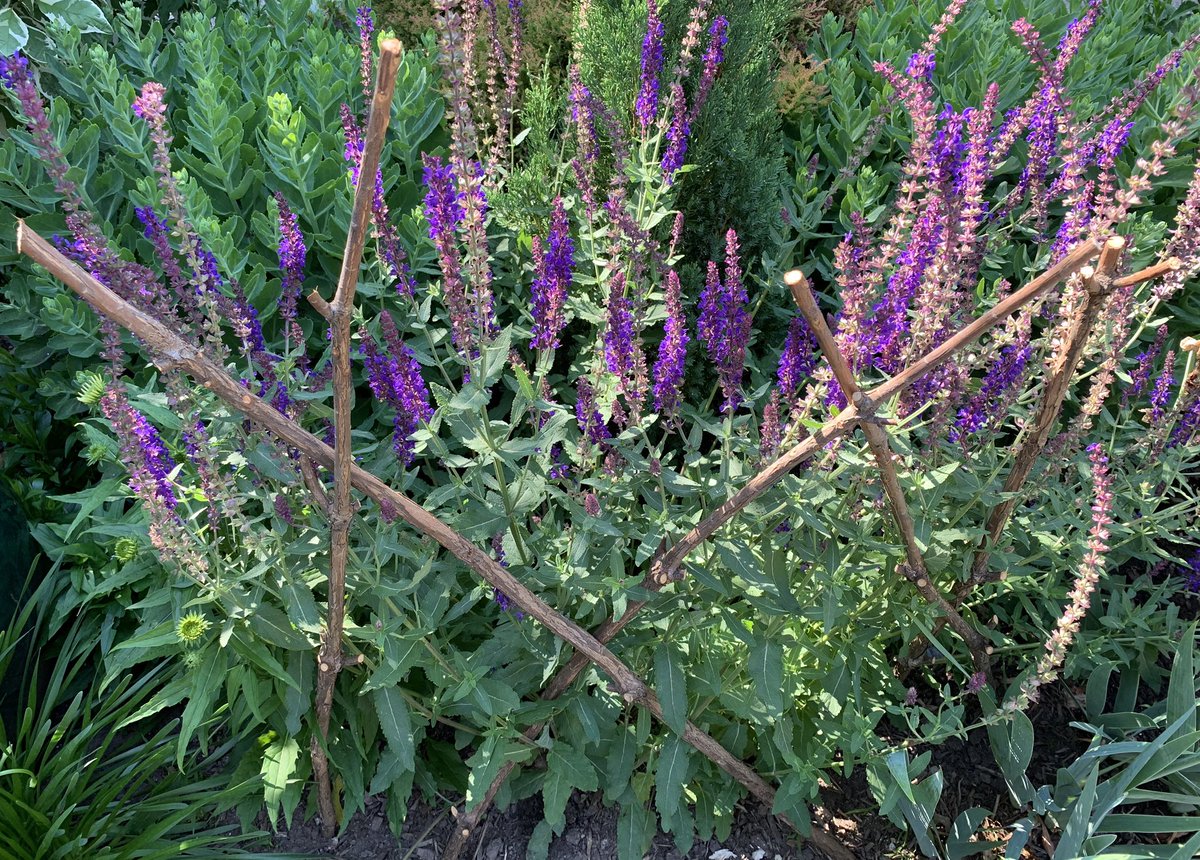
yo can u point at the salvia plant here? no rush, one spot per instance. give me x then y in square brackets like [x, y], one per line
[378, 538]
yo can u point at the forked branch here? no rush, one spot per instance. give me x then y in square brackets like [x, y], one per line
[339, 312]
[916, 571]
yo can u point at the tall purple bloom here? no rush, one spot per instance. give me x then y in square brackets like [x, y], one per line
[618, 331]
[552, 276]
[444, 211]
[591, 424]
[143, 450]
[724, 324]
[395, 378]
[798, 359]
[1140, 377]
[714, 55]
[292, 256]
[1162, 389]
[983, 408]
[366, 29]
[646, 108]
[672, 352]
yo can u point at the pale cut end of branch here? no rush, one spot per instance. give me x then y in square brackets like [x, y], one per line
[322, 307]
[1166, 267]
[1110, 255]
[391, 47]
[798, 284]
[1190, 344]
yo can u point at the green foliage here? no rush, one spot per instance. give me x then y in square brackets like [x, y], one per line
[780, 641]
[735, 143]
[258, 100]
[76, 781]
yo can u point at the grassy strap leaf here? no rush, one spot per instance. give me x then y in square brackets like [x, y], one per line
[1181, 693]
[279, 763]
[766, 668]
[567, 769]
[635, 829]
[671, 686]
[1189, 849]
[396, 724]
[205, 682]
[670, 777]
[1070, 844]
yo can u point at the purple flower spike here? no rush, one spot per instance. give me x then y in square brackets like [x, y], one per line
[798, 359]
[1161, 394]
[646, 108]
[724, 324]
[982, 409]
[292, 256]
[395, 378]
[366, 29]
[718, 37]
[284, 509]
[591, 424]
[672, 352]
[552, 266]
[444, 211]
[618, 333]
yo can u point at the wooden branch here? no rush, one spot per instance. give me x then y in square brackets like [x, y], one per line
[916, 571]
[1166, 267]
[667, 567]
[339, 313]
[167, 348]
[1098, 286]
[772, 473]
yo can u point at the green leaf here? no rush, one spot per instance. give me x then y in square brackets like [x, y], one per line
[670, 777]
[396, 723]
[959, 845]
[83, 14]
[1181, 693]
[635, 829]
[279, 763]
[1070, 844]
[766, 668]
[538, 847]
[567, 768]
[13, 33]
[272, 625]
[205, 682]
[619, 765]
[671, 686]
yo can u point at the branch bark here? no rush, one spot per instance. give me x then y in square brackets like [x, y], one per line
[339, 313]
[916, 570]
[168, 350]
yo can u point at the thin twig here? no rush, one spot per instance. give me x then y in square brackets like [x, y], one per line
[1166, 267]
[166, 347]
[916, 571]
